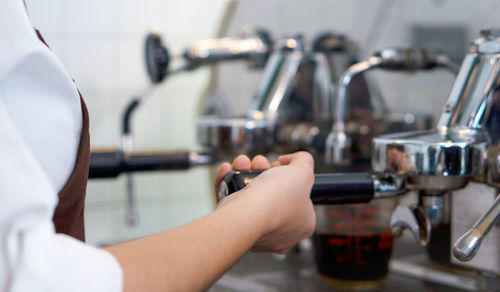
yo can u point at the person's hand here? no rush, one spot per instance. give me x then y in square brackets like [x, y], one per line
[282, 195]
[271, 214]
[243, 163]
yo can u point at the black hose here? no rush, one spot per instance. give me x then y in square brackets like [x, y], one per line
[127, 115]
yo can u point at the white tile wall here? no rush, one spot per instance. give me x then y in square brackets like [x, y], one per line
[164, 201]
[50, 15]
[135, 17]
[100, 42]
[92, 18]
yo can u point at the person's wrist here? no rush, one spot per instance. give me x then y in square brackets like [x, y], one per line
[262, 202]
[254, 213]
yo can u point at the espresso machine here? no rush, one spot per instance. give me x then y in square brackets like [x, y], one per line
[303, 92]
[253, 47]
[285, 95]
[454, 167]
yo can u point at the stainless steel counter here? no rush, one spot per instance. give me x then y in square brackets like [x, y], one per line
[296, 272]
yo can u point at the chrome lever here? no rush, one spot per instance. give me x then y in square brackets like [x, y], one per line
[466, 247]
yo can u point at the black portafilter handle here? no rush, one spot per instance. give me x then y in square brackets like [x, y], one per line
[108, 164]
[328, 188]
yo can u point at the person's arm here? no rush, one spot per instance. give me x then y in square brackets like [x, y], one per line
[270, 214]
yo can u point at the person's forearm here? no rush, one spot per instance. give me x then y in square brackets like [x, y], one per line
[192, 256]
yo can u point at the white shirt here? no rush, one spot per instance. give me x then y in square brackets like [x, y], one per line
[40, 127]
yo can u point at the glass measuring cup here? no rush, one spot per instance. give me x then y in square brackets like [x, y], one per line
[353, 244]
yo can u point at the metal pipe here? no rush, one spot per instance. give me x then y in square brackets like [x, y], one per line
[338, 144]
[211, 51]
[466, 247]
[343, 84]
[277, 81]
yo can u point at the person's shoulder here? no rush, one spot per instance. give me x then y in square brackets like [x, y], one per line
[14, 15]
[18, 39]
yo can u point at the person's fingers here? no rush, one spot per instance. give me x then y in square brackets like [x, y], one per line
[285, 159]
[224, 169]
[259, 162]
[298, 157]
[242, 162]
[275, 163]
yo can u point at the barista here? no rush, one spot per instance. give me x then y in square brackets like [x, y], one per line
[44, 154]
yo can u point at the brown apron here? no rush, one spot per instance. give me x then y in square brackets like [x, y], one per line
[68, 216]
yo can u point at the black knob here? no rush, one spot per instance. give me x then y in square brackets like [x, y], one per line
[157, 57]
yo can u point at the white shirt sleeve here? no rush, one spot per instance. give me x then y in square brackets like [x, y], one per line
[32, 256]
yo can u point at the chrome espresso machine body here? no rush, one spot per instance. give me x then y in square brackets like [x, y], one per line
[302, 93]
[294, 89]
[459, 158]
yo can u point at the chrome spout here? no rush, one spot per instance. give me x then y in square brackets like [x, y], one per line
[419, 218]
[338, 142]
[343, 84]
[412, 218]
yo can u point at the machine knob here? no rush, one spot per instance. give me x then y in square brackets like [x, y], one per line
[157, 57]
